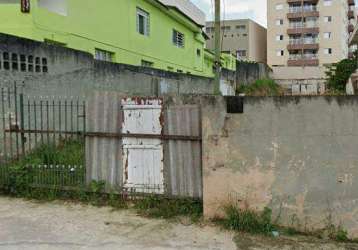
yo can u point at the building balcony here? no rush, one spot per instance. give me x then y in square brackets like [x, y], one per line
[310, 24]
[300, 12]
[350, 28]
[351, 2]
[300, 9]
[294, 31]
[303, 60]
[300, 1]
[350, 14]
[303, 44]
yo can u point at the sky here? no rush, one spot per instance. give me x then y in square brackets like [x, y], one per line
[237, 9]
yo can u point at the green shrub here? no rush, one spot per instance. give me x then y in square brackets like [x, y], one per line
[339, 73]
[262, 87]
[247, 220]
[159, 207]
[338, 233]
[19, 176]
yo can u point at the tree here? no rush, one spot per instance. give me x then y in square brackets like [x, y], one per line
[339, 73]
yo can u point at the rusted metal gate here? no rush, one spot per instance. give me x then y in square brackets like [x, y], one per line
[143, 145]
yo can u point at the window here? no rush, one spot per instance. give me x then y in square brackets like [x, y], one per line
[30, 65]
[279, 38]
[328, 51]
[240, 54]
[279, 22]
[327, 2]
[6, 59]
[327, 35]
[25, 5]
[226, 28]
[280, 53]
[147, 64]
[198, 52]
[279, 6]
[14, 60]
[103, 55]
[244, 34]
[23, 63]
[241, 27]
[58, 6]
[143, 22]
[178, 39]
[327, 19]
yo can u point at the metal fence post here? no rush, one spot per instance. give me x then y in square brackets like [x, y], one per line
[22, 123]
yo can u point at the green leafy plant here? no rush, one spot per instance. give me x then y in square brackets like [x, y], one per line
[339, 73]
[18, 176]
[159, 207]
[338, 233]
[246, 220]
[262, 87]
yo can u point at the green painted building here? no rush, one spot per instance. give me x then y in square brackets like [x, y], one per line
[135, 32]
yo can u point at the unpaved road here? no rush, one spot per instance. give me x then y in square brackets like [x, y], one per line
[58, 225]
[55, 225]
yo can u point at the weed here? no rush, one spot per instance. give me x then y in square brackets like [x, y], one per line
[159, 207]
[117, 201]
[247, 220]
[20, 181]
[338, 233]
[262, 87]
[18, 177]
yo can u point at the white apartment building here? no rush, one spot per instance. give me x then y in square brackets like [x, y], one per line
[305, 36]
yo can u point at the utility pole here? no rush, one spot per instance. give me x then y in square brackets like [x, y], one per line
[217, 62]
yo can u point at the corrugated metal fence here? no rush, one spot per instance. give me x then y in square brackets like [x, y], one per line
[135, 145]
[180, 138]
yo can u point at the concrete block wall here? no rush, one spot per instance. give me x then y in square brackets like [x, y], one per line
[295, 155]
[74, 73]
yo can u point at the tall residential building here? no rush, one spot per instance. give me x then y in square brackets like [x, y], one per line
[244, 38]
[161, 34]
[305, 36]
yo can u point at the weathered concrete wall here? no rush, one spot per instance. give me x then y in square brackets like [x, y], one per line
[74, 73]
[296, 155]
[247, 73]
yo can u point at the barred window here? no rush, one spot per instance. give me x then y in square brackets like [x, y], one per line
[103, 55]
[23, 63]
[178, 39]
[147, 64]
[143, 22]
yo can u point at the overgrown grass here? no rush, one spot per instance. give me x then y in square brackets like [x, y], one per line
[17, 176]
[20, 179]
[245, 220]
[338, 233]
[158, 207]
[66, 152]
[262, 87]
[253, 222]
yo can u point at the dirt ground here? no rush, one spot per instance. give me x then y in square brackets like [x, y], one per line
[58, 225]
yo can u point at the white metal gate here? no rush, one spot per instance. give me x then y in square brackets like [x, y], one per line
[142, 157]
